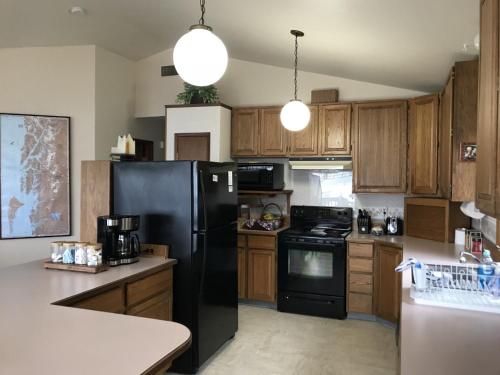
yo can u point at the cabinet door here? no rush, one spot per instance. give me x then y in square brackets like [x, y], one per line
[274, 138]
[261, 275]
[423, 144]
[335, 129]
[109, 301]
[380, 147]
[445, 138]
[245, 132]
[487, 124]
[158, 307]
[387, 283]
[242, 273]
[305, 142]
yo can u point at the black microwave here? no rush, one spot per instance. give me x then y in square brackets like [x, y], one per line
[261, 176]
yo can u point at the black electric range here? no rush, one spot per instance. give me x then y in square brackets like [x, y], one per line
[312, 261]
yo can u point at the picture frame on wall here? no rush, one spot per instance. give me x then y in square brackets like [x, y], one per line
[35, 180]
[468, 151]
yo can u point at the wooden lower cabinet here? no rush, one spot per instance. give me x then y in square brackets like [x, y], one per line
[257, 268]
[360, 278]
[147, 296]
[387, 289]
[157, 307]
[373, 287]
[261, 275]
[112, 301]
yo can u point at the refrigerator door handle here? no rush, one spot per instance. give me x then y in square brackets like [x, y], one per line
[203, 200]
[202, 238]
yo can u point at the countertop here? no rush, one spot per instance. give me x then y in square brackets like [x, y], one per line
[436, 340]
[38, 337]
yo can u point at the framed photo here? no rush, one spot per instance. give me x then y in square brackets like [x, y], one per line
[34, 176]
[468, 151]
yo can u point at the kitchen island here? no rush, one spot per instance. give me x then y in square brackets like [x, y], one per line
[438, 340]
[40, 337]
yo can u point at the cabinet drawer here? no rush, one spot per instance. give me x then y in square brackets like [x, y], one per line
[109, 301]
[242, 241]
[361, 303]
[142, 289]
[262, 242]
[364, 250]
[360, 265]
[360, 283]
[158, 307]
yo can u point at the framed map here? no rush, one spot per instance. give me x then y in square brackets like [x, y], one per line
[34, 176]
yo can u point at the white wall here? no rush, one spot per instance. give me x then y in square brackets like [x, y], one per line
[114, 100]
[247, 83]
[51, 81]
[215, 120]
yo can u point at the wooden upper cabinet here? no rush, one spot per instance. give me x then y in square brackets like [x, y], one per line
[445, 139]
[305, 142]
[380, 147]
[335, 129]
[487, 121]
[274, 138]
[245, 132]
[423, 144]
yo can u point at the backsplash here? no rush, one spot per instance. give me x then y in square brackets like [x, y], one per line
[333, 188]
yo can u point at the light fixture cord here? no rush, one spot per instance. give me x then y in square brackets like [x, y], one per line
[295, 73]
[202, 6]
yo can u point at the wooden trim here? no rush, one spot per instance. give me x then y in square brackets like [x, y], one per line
[73, 299]
[435, 202]
[187, 135]
[198, 105]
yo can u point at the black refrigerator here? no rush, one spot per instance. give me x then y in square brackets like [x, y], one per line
[191, 206]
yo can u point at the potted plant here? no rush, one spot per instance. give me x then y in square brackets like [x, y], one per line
[198, 95]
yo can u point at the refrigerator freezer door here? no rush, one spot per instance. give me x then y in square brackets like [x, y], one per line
[217, 297]
[216, 195]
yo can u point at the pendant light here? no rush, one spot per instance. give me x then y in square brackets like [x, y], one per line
[295, 115]
[200, 57]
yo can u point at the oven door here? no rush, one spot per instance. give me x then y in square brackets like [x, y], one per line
[312, 268]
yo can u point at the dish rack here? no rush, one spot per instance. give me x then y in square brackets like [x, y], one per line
[458, 286]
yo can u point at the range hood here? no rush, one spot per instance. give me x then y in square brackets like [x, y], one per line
[331, 162]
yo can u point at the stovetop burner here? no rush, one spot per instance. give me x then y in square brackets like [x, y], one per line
[320, 222]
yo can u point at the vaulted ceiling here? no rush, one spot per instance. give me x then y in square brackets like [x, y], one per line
[404, 43]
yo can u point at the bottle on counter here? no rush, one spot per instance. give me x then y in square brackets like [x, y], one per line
[68, 253]
[94, 254]
[81, 253]
[56, 252]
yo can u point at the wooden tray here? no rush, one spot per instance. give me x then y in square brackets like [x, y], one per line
[75, 267]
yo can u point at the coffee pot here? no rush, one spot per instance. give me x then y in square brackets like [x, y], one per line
[119, 244]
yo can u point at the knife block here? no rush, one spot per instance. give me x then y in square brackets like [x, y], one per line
[364, 225]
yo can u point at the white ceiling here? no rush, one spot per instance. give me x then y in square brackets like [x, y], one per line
[404, 43]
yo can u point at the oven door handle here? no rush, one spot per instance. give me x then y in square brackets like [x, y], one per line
[331, 245]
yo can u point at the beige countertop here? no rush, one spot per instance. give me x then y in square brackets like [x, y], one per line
[37, 337]
[436, 340]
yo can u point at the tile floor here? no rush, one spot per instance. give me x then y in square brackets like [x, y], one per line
[273, 343]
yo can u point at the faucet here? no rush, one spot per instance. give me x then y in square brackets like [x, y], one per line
[463, 259]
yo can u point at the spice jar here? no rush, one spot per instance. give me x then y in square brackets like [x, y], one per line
[68, 253]
[94, 254]
[81, 253]
[56, 252]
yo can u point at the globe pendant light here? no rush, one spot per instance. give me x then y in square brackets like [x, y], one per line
[295, 115]
[200, 57]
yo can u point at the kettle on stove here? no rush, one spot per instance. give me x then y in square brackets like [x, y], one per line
[394, 226]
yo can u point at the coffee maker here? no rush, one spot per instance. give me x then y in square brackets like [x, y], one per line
[119, 244]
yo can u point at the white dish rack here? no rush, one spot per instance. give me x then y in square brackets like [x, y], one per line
[460, 287]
